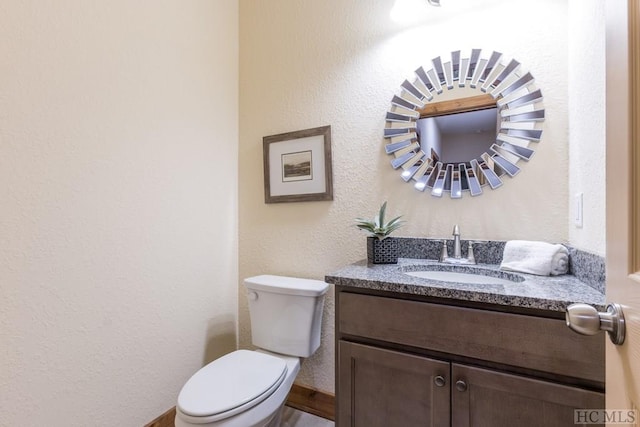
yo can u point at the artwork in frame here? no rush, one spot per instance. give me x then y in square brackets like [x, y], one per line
[297, 166]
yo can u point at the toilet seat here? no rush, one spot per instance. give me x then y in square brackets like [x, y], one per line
[231, 384]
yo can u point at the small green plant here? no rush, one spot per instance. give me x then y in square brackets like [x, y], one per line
[377, 227]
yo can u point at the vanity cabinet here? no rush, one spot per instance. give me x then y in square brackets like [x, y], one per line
[404, 362]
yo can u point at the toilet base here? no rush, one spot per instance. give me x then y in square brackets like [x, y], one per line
[277, 419]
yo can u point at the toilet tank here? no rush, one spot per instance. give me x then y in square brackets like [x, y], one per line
[286, 313]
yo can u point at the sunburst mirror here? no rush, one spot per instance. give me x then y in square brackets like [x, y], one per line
[464, 124]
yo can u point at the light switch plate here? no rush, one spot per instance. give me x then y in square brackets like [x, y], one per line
[577, 214]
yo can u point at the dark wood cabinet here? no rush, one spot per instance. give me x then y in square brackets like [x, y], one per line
[384, 388]
[482, 397]
[414, 363]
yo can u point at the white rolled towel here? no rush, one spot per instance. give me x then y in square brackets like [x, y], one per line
[540, 258]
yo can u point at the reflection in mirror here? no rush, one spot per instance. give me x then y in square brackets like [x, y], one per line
[458, 138]
[464, 124]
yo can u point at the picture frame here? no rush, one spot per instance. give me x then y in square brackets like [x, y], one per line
[297, 166]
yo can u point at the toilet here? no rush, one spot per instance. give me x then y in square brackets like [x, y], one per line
[249, 388]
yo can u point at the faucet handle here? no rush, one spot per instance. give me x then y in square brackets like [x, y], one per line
[443, 253]
[470, 256]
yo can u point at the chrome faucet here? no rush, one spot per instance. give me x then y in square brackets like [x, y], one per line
[457, 252]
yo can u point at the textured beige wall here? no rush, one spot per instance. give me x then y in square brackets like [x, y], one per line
[587, 123]
[118, 220]
[307, 64]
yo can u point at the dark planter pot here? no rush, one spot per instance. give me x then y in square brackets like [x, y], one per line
[382, 251]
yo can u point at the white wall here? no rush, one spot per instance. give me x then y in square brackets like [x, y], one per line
[587, 122]
[118, 220]
[307, 64]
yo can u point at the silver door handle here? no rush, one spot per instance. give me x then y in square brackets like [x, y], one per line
[585, 319]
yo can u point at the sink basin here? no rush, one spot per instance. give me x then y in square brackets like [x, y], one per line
[477, 276]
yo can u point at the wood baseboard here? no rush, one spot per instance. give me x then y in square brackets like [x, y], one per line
[305, 399]
[165, 420]
[313, 401]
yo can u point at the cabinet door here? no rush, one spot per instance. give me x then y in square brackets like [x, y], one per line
[384, 388]
[482, 397]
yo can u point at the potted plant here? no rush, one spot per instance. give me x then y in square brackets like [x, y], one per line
[381, 250]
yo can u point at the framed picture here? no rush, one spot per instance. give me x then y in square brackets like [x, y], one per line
[297, 166]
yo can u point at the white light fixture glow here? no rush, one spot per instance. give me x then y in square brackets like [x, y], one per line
[405, 11]
[411, 10]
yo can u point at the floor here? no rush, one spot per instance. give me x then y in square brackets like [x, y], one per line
[294, 418]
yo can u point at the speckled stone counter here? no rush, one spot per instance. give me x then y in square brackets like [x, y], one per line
[553, 293]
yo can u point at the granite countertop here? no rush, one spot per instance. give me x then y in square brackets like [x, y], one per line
[552, 293]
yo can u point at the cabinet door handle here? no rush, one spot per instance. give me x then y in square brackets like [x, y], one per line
[440, 381]
[461, 385]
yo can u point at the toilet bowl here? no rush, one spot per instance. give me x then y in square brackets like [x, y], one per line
[238, 398]
[249, 388]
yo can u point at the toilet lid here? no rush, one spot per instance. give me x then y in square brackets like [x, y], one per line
[238, 380]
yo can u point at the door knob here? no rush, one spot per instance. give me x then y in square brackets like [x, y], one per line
[585, 319]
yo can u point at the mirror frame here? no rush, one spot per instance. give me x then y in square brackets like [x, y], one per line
[520, 113]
